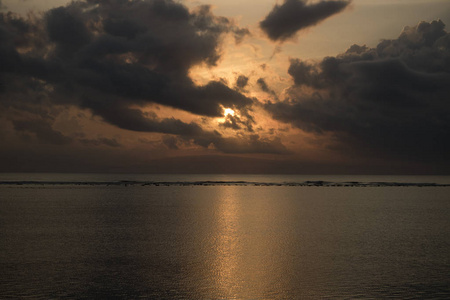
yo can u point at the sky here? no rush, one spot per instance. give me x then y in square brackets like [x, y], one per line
[163, 86]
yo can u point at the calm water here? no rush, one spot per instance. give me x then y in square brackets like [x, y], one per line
[197, 242]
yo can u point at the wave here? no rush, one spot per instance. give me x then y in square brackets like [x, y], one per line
[224, 183]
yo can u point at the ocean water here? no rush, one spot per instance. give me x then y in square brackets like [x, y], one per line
[94, 236]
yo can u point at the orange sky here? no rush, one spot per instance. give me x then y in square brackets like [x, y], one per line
[276, 92]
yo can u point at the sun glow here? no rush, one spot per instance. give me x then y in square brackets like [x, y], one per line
[228, 111]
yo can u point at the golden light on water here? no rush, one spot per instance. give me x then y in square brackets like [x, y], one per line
[227, 247]
[244, 258]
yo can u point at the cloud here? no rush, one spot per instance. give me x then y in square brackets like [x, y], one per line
[391, 100]
[238, 123]
[101, 141]
[241, 82]
[170, 142]
[265, 87]
[113, 58]
[285, 20]
[67, 30]
[232, 122]
[42, 130]
[120, 54]
[252, 144]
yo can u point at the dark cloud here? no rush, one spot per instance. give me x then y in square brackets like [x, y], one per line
[135, 52]
[170, 142]
[240, 34]
[389, 100]
[101, 141]
[265, 87]
[42, 130]
[113, 58]
[241, 82]
[286, 19]
[136, 120]
[241, 143]
[67, 30]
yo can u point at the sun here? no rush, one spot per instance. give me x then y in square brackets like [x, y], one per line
[228, 111]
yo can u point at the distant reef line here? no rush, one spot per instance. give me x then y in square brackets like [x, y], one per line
[221, 183]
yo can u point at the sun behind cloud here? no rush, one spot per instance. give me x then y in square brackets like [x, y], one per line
[228, 111]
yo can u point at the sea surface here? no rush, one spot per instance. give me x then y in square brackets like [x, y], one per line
[125, 236]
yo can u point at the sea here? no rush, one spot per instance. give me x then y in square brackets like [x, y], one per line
[137, 236]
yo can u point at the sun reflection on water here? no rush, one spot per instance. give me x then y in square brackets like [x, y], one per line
[245, 262]
[227, 247]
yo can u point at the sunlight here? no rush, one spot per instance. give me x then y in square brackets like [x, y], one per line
[228, 111]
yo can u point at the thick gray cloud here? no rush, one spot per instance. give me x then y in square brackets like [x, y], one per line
[43, 131]
[286, 19]
[170, 142]
[101, 141]
[112, 58]
[265, 87]
[140, 51]
[241, 82]
[389, 100]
